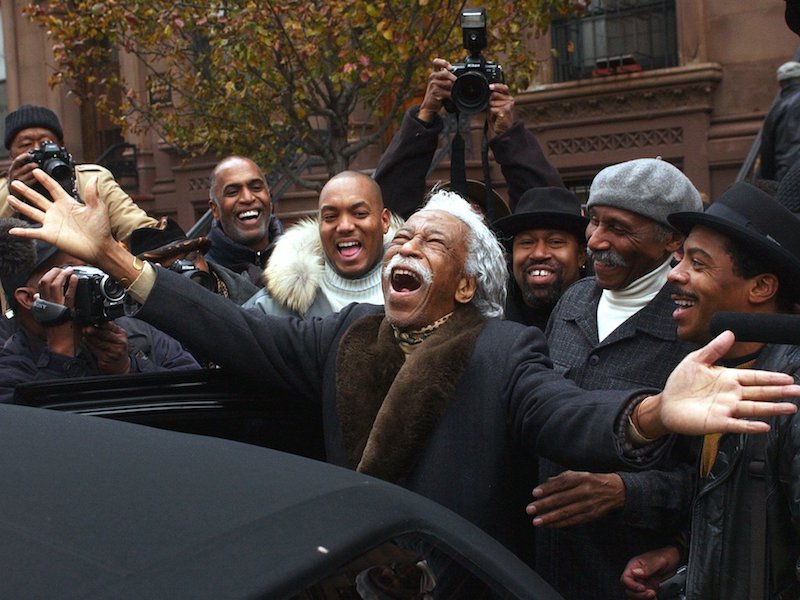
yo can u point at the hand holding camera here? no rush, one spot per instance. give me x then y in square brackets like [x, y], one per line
[53, 159]
[440, 81]
[470, 92]
[76, 304]
[501, 109]
[91, 299]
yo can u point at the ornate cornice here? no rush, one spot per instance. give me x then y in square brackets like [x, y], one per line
[615, 141]
[620, 97]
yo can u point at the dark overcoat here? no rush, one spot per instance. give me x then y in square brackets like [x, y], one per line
[506, 400]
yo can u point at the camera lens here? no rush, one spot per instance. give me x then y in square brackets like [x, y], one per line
[205, 279]
[112, 289]
[58, 170]
[471, 92]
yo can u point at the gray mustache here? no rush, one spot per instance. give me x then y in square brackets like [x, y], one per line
[608, 257]
[410, 263]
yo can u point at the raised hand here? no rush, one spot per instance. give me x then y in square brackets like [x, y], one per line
[79, 229]
[440, 82]
[701, 398]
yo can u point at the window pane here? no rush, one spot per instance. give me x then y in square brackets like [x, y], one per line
[615, 36]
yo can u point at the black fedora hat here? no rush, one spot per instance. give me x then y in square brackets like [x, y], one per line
[749, 215]
[164, 241]
[545, 207]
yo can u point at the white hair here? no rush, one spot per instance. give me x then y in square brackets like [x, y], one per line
[485, 261]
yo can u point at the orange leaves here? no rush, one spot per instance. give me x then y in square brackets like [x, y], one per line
[263, 78]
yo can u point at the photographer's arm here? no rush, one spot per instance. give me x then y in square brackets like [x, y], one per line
[124, 215]
[62, 338]
[404, 165]
[517, 150]
[20, 168]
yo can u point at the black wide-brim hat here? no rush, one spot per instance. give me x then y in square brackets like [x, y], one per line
[749, 215]
[164, 241]
[545, 208]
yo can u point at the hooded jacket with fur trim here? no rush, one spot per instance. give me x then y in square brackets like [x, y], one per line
[297, 270]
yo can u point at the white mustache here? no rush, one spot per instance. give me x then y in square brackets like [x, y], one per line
[410, 263]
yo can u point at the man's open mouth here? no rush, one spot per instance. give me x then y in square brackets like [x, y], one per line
[348, 249]
[404, 280]
[249, 215]
[684, 301]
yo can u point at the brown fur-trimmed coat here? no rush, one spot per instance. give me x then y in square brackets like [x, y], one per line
[506, 401]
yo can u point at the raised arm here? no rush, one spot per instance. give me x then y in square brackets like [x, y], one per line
[403, 167]
[516, 149]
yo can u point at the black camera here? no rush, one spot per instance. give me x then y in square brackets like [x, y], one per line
[98, 297]
[186, 267]
[57, 163]
[470, 93]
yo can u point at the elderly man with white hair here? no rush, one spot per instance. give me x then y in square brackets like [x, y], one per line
[431, 391]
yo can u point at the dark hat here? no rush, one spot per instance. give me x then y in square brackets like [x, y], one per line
[165, 240]
[20, 257]
[545, 207]
[749, 215]
[29, 115]
[792, 15]
[476, 192]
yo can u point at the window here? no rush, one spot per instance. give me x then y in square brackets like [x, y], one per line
[615, 36]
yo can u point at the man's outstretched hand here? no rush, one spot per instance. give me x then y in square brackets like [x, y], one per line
[701, 398]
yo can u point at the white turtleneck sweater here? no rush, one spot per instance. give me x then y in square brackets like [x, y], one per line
[616, 306]
[341, 291]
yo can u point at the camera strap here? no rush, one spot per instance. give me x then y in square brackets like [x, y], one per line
[458, 168]
[487, 174]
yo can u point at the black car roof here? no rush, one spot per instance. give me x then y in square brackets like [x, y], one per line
[96, 508]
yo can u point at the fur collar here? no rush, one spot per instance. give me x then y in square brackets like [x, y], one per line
[295, 269]
[389, 404]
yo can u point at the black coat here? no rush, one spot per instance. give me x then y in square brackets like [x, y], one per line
[508, 399]
[238, 257]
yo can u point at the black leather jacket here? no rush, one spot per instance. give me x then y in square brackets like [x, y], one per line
[722, 545]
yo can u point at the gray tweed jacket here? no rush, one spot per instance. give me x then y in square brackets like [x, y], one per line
[641, 352]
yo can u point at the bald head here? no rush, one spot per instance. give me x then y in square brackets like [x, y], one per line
[353, 177]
